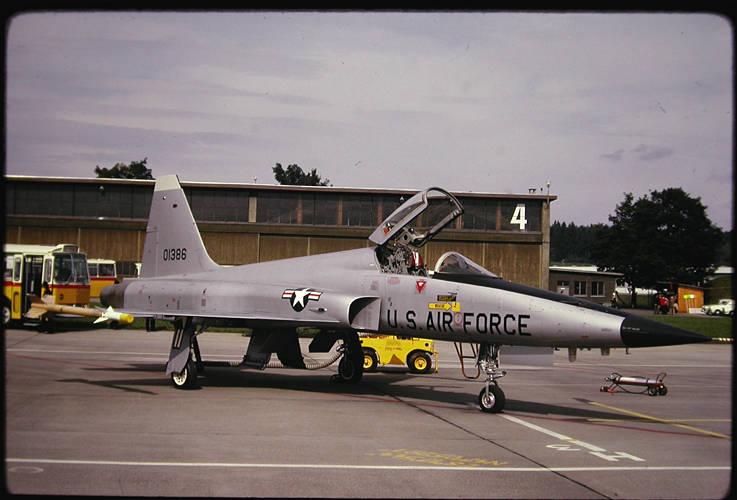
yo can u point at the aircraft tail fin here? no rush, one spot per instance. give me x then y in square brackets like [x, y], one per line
[173, 243]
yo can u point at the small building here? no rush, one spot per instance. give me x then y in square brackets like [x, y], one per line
[585, 282]
[690, 297]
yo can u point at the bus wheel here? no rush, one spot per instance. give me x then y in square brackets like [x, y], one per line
[6, 314]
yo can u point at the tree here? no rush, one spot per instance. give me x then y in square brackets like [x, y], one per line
[295, 176]
[134, 170]
[664, 237]
[570, 243]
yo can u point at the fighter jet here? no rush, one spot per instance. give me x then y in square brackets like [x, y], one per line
[381, 288]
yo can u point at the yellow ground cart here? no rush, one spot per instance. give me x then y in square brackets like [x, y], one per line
[103, 273]
[419, 355]
[55, 275]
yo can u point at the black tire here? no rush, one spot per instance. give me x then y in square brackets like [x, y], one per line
[718, 312]
[653, 391]
[150, 325]
[663, 390]
[493, 402]
[350, 368]
[7, 314]
[187, 378]
[370, 361]
[419, 362]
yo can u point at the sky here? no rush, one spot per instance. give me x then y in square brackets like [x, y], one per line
[597, 104]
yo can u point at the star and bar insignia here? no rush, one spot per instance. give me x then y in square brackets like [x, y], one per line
[298, 297]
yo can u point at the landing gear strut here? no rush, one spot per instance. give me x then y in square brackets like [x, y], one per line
[350, 367]
[491, 398]
[182, 366]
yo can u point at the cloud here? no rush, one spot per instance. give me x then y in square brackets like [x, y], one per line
[652, 153]
[614, 156]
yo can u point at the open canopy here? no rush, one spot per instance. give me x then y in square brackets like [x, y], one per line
[418, 219]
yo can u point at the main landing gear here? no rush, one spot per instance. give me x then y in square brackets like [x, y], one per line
[491, 398]
[184, 357]
[350, 367]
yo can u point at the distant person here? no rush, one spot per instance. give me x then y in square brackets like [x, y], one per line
[674, 305]
[615, 299]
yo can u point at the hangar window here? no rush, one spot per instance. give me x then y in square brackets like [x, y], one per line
[358, 210]
[277, 208]
[579, 288]
[9, 198]
[479, 214]
[388, 204]
[325, 209]
[33, 198]
[103, 200]
[219, 205]
[141, 202]
[597, 288]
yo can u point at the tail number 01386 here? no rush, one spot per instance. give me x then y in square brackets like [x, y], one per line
[175, 254]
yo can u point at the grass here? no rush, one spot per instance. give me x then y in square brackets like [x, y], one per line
[715, 327]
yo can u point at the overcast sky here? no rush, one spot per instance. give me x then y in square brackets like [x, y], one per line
[598, 104]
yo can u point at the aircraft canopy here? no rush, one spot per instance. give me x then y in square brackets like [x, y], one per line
[419, 218]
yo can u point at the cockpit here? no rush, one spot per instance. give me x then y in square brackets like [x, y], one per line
[400, 236]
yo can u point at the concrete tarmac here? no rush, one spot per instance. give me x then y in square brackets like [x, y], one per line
[92, 413]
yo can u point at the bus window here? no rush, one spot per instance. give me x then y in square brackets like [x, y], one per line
[46, 275]
[8, 268]
[107, 270]
[62, 268]
[18, 260]
[79, 269]
[92, 268]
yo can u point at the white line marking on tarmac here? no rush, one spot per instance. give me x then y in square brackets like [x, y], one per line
[367, 467]
[554, 434]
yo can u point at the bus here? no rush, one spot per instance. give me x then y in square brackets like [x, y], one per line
[103, 272]
[54, 274]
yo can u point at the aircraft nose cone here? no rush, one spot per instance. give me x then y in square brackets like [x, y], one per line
[637, 331]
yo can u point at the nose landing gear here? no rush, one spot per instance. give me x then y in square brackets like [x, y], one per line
[491, 398]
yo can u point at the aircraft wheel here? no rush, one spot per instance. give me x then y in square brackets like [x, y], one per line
[653, 391]
[150, 325]
[350, 369]
[494, 401]
[187, 379]
[663, 390]
[370, 361]
[420, 362]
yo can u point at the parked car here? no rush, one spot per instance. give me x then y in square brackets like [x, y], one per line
[724, 307]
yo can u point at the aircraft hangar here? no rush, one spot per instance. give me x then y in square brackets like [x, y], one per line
[243, 223]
